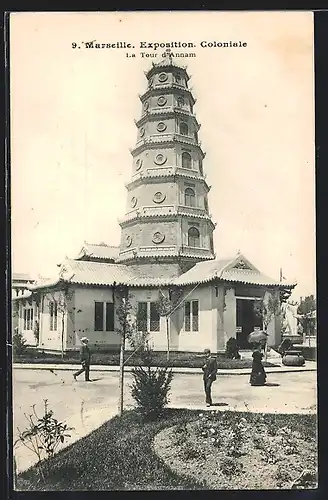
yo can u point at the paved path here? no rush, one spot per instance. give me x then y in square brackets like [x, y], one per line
[309, 366]
[86, 406]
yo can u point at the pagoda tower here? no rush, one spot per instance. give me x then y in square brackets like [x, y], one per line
[167, 227]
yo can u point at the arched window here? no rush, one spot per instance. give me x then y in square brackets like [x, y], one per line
[186, 160]
[183, 129]
[193, 237]
[177, 78]
[189, 197]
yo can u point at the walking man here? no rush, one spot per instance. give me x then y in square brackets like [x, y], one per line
[210, 370]
[85, 357]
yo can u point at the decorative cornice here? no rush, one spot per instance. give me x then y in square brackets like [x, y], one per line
[175, 214]
[165, 139]
[168, 89]
[168, 177]
[157, 69]
[165, 112]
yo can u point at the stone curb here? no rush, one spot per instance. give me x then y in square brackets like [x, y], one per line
[188, 371]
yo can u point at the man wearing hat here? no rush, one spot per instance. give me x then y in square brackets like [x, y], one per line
[210, 370]
[85, 357]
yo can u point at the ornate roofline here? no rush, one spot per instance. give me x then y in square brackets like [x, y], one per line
[172, 255]
[148, 179]
[172, 112]
[168, 216]
[167, 90]
[170, 65]
[150, 143]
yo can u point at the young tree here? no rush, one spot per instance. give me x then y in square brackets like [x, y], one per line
[126, 328]
[166, 304]
[61, 301]
[306, 313]
[267, 310]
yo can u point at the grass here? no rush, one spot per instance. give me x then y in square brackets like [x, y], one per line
[117, 456]
[177, 359]
[120, 455]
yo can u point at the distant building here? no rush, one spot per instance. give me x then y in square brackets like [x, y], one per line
[20, 283]
[166, 247]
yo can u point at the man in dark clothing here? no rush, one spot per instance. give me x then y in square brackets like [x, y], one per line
[210, 370]
[85, 357]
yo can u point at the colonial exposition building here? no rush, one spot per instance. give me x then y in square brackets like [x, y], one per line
[166, 248]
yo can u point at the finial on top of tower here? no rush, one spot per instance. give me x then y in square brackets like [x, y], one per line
[168, 55]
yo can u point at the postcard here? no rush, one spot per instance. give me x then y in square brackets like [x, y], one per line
[163, 250]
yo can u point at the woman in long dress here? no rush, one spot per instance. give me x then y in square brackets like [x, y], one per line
[258, 375]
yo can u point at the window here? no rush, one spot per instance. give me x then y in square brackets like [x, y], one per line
[183, 129]
[109, 317]
[104, 312]
[53, 315]
[142, 317]
[186, 160]
[191, 316]
[154, 317]
[148, 317]
[28, 318]
[99, 316]
[190, 197]
[193, 237]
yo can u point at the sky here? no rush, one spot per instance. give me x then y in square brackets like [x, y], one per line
[72, 124]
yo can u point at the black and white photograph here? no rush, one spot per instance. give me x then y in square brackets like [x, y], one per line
[163, 253]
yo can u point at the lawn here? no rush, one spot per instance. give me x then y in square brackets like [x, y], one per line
[177, 359]
[124, 453]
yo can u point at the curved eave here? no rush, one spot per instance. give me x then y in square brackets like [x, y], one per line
[51, 284]
[168, 177]
[157, 68]
[231, 280]
[153, 115]
[168, 89]
[172, 216]
[196, 256]
[165, 142]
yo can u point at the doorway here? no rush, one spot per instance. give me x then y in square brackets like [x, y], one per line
[246, 321]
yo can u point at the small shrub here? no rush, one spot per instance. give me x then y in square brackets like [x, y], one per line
[230, 466]
[151, 387]
[190, 452]
[19, 343]
[232, 349]
[282, 475]
[180, 434]
[43, 436]
[235, 441]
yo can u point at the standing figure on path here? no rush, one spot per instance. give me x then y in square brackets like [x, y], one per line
[258, 375]
[210, 370]
[85, 357]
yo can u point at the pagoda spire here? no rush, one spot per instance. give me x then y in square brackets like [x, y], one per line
[167, 220]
